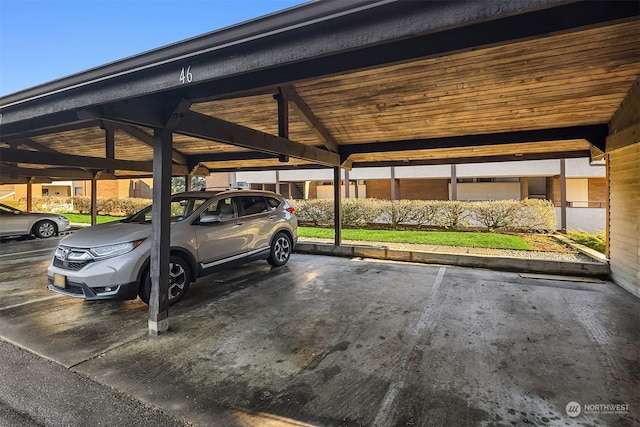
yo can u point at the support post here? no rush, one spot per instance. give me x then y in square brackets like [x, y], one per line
[278, 182]
[524, 187]
[563, 196]
[393, 183]
[94, 200]
[187, 182]
[454, 183]
[160, 229]
[337, 206]
[30, 195]
[346, 184]
[110, 145]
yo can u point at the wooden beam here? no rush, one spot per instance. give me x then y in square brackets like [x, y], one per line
[213, 129]
[145, 138]
[624, 127]
[306, 114]
[57, 159]
[7, 179]
[477, 159]
[195, 159]
[594, 134]
[36, 145]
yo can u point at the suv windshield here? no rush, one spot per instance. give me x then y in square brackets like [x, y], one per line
[181, 208]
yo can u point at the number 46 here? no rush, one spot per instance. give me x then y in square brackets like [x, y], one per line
[185, 75]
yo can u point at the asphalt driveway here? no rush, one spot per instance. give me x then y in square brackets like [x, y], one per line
[338, 341]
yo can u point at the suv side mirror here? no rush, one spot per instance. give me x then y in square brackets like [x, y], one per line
[209, 219]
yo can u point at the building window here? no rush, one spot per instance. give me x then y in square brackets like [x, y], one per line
[77, 191]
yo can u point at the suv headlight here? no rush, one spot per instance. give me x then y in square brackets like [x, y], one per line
[109, 251]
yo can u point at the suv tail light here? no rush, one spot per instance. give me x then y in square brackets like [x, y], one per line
[290, 209]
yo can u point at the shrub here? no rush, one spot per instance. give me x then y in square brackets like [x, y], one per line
[495, 214]
[360, 212]
[398, 212]
[526, 215]
[536, 215]
[314, 211]
[597, 241]
[453, 213]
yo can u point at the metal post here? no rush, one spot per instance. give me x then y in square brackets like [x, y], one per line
[393, 183]
[454, 183]
[30, 195]
[278, 182]
[110, 145]
[563, 196]
[346, 184]
[337, 207]
[94, 200]
[160, 229]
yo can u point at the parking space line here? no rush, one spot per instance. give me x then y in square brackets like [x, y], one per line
[426, 323]
[30, 302]
[13, 254]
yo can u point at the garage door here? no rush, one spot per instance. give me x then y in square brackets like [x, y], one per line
[624, 219]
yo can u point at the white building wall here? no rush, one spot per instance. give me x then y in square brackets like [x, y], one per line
[591, 220]
[435, 171]
[306, 175]
[580, 168]
[474, 191]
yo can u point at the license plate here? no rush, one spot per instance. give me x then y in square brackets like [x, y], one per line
[59, 280]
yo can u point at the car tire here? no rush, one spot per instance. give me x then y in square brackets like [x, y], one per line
[179, 281]
[45, 229]
[281, 249]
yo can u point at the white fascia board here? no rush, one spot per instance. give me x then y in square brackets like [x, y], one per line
[434, 171]
[509, 169]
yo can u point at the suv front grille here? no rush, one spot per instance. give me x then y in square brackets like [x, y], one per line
[69, 265]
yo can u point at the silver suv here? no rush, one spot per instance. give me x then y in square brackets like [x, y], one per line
[209, 231]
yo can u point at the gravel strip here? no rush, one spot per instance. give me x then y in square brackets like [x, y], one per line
[546, 255]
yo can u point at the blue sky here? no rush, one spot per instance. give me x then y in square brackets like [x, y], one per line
[43, 40]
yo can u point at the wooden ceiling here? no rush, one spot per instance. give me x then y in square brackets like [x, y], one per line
[576, 78]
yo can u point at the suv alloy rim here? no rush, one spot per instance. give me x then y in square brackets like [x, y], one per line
[281, 248]
[177, 279]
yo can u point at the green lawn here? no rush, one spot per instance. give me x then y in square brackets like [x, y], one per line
[448, 238]
[86, 219]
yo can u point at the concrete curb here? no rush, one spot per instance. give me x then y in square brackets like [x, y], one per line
[582, 248]
[594, 269]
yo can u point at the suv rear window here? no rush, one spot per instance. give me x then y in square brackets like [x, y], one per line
[273, 203]
[253, 204]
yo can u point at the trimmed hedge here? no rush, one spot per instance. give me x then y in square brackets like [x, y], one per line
[531, 215]
[116, 206]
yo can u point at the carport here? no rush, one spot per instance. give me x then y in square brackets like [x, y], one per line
[351, 84]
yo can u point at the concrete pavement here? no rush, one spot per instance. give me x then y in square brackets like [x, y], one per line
[338, 341]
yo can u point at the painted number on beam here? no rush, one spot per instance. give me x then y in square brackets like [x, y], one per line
[185, 75]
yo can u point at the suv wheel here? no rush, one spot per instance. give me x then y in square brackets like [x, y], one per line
[280, 250]
[179, 280]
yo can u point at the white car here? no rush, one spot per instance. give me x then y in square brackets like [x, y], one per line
[209, 231]
[14, 222]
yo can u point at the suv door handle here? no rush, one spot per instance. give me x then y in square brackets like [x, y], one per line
[239, 222]
[272, 217]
